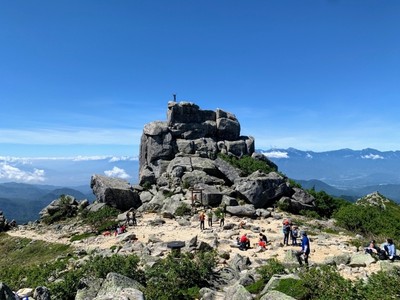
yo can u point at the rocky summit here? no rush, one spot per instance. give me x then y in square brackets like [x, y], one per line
[180, 160]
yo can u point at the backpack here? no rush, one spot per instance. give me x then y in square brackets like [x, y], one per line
[382, 255]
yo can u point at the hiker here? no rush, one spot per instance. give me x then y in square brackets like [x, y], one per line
[305, 249]
[390, 249]
[286, 232]
[238, 241]
[262, 243]
[222, 220]
[128, 217]
[263, 237]
[372, 248]
[294, 235]
[133, 218]
[209, 217]
[202, 217]
[244, 242]
[241, 224]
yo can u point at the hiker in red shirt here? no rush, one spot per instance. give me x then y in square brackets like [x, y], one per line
[244, 242]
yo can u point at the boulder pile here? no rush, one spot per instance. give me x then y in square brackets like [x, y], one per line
[180, 164]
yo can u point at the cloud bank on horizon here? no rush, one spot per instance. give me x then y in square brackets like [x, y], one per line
[313, 76]
[65, 171]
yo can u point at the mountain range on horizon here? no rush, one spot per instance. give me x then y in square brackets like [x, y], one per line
[346, 173]
[343, 169]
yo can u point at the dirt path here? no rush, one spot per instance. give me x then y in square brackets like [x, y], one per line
[171, 231]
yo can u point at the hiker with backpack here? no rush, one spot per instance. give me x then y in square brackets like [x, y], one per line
[372, 248]
[294, 235]
[286, 232]
[305, 249]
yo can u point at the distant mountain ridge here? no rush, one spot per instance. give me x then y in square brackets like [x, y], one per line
[23, 202]
[390, 191]
[353, 173]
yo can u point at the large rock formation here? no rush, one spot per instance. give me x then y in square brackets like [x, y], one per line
[180, 155]
[189, 132]
[115, 192]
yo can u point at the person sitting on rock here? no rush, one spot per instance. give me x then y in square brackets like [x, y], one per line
[241, 224]
[244, 242]
[263, 237]
[372, 248]
[390, 249]
[262, 243]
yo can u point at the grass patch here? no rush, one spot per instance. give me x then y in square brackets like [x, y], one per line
[79, 237]
[26, 252]
[292, 287]
[256, 287]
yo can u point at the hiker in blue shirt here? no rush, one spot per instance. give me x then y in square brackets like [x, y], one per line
[305, 249]
[390, 249]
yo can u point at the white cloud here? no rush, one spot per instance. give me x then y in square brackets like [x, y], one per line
[117, 172]
[372, 156]
[10, 172]
[88, 158]
[276, 154]
[70, 136]
[29, 160]
[122, 158]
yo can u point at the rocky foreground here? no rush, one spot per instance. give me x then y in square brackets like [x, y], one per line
[150, 237]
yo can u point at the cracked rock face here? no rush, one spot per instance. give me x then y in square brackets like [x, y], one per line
[192, 132]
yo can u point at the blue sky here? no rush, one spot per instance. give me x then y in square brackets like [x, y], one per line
[84, 77]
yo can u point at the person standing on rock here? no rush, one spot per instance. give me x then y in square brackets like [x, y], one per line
[286, 232]
[133, 218]
[202, 217]
[222, 220]
[209, 217]
[294, 235]
[305, 249]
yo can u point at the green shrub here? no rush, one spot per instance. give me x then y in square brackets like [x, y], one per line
[326, 283]
[103, 219]
[370, 221]
[293, 184]
[65, 211]
[272, 267]
[79, 237]
[256, 287]
[186, 184]
[310, 214]
[100, 266]
[146, 186]
[168, 194]
[248, 165]
[292, 287]
[179, 278]
[326, 205]
[283, 206]
[183, 209]
[380, 285]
